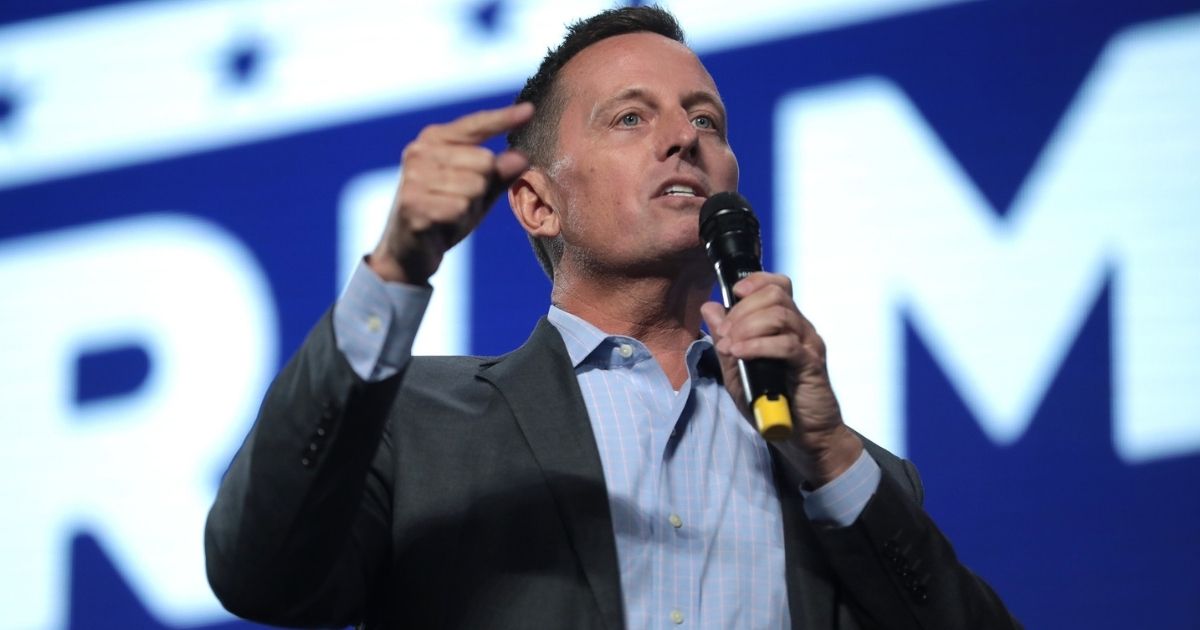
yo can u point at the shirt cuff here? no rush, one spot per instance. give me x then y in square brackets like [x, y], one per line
[841, 501]
[375, 322]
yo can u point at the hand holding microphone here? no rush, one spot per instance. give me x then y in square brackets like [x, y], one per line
[731, 238]
[772, 358]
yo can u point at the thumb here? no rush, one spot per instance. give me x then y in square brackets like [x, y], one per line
[509, 165]
[713, 314]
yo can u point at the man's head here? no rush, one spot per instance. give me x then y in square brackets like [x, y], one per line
[550, 90]
[543, 89]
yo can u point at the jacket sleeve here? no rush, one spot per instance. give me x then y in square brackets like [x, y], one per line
[299, 528]
[900, 570]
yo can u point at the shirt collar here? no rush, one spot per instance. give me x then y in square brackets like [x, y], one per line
[580, 337]
[583, 339]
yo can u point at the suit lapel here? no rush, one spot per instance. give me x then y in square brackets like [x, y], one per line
[539, 385]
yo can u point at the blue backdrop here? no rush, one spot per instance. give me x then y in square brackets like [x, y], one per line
[991, 209]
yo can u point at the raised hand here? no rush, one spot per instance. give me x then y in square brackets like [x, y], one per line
[448, 184]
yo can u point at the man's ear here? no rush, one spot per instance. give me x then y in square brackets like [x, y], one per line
[532, 202]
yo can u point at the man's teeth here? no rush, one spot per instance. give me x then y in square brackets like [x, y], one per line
[683, 191]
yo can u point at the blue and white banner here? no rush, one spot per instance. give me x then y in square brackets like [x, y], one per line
[991, 210]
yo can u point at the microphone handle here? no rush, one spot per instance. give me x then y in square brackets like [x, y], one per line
[763, 380]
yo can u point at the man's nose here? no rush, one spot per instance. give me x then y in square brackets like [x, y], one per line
[681, 136]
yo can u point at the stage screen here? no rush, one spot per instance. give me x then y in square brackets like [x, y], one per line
[990, 209]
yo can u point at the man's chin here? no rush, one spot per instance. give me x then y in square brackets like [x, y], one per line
[686, 263]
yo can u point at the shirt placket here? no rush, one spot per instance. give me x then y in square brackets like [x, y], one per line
[678, 535]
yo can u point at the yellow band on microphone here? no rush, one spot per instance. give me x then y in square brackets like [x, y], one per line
[773, 417]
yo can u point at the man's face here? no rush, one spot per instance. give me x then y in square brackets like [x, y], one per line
[641, 144]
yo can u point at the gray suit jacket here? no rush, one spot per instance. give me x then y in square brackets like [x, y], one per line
[468, 493]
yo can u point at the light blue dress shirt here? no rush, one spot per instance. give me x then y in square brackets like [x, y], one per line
[695, 512]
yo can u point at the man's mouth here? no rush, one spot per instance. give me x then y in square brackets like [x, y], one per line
[679, 190]
[684, 187]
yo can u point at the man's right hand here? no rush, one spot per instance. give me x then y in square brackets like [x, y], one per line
[447, 185]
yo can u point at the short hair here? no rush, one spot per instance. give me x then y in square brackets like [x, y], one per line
[538, 139]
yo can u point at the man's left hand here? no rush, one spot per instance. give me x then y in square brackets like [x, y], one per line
[766, 324]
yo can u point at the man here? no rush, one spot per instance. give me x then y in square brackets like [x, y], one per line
[605, 473]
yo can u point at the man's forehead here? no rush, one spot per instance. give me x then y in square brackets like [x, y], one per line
[621, 64]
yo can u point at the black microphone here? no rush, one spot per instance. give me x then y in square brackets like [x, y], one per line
[730, 233]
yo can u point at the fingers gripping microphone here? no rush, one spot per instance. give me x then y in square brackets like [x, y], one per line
[730, 233]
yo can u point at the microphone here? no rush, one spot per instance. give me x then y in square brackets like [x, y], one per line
[731, 238]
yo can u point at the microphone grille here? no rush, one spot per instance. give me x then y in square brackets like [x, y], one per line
[722, 201]
[729, 204]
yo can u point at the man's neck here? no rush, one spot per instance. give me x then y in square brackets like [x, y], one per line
[662, 313]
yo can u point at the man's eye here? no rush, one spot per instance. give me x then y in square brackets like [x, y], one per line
[630, 120]
[704, 122]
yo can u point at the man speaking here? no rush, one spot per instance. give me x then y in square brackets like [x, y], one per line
[607, 473]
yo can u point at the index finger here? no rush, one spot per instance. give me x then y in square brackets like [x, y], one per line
[760, 279]
[479, 126]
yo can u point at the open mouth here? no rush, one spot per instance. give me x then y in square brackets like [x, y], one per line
[680, 191]
[683, 190]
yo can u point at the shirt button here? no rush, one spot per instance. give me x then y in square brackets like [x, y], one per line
[676, 616]
[676, 522]
[625, 350]
[374, 324]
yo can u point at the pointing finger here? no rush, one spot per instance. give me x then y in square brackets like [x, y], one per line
[479, 126]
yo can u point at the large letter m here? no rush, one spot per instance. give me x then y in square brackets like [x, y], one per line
[874, 217]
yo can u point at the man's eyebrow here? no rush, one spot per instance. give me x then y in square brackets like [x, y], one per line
[627, 94]
[641, 94]
[705, 97]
